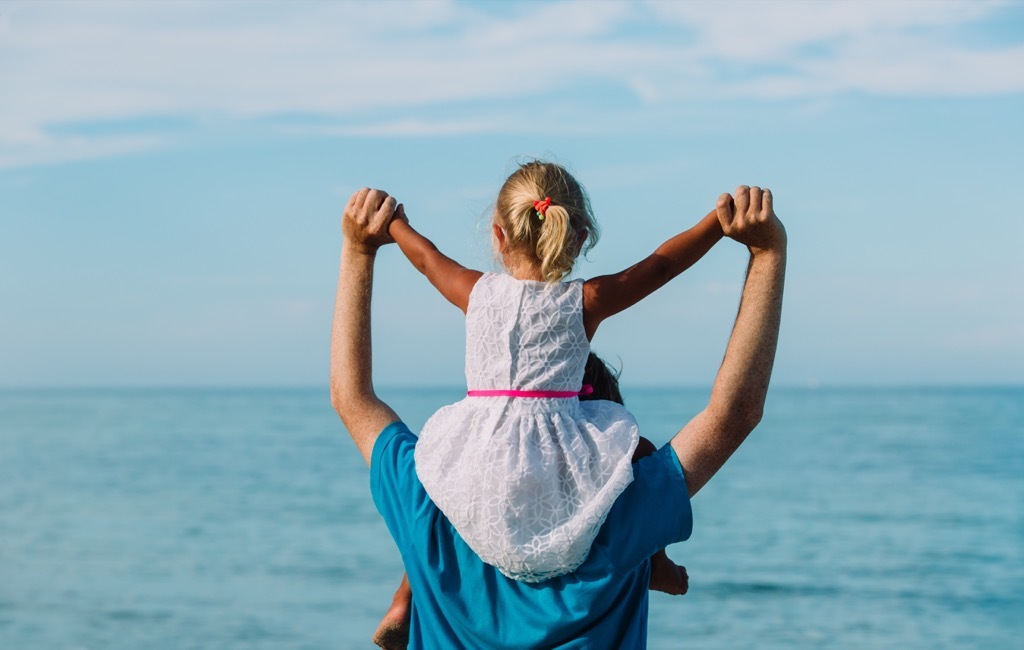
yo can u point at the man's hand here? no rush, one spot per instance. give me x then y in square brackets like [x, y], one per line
[749, 218]
[365, 220]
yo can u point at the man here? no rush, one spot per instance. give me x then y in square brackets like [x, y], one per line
[461, 602]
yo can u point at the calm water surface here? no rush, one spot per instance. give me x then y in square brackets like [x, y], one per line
[242, 519]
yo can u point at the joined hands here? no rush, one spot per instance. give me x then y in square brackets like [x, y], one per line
[366, 218]
[749, 217]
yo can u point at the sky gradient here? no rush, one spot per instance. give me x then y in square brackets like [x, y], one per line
[172, 177]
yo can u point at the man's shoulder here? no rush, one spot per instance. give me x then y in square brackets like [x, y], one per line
[394, 485]
[651, 513]
[391, 440]
[659, 487]
[393, 451]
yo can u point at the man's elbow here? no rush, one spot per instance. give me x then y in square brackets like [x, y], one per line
[750, 419]
[356, 403]
[339, 400]
[747, 415]
[740, 419]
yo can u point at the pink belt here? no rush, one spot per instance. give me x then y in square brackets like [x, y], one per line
[586, 390]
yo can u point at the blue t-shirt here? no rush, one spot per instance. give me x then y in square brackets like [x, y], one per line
[460, 602]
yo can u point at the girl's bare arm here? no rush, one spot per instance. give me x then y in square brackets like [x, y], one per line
[453, 280]
[607, 295]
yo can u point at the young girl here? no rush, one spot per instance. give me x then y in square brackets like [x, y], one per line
[525, 472]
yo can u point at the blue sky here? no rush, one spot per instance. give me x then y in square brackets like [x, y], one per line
[172, 177]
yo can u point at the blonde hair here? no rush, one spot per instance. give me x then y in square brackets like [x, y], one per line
[568, 227]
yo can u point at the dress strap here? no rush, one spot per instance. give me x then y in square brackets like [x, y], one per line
[586, 390]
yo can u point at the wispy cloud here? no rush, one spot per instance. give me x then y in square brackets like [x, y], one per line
[402, 127]
[406, 68]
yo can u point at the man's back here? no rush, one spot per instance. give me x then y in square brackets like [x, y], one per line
[458, 601]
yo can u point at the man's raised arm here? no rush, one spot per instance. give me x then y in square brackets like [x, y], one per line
[738, 396]
[364, 226]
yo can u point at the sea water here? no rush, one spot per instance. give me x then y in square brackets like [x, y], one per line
[851, 518]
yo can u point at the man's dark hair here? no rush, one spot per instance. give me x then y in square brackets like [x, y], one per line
[604, 380]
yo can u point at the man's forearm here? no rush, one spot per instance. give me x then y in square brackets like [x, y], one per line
[741, 386]
[352, 394]
[738, 397]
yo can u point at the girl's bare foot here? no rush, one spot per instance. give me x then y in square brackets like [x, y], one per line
[393, 631]
[667, 576]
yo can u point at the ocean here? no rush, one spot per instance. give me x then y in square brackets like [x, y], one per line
[176, 519]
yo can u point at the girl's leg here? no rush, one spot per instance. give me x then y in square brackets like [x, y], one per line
[666, 575]
[393, 631]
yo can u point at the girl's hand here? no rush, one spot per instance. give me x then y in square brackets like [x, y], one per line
[749, 218]
[400, 216]
[364, 223]
[400, 213]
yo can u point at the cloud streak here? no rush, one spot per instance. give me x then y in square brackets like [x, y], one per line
[389, 69]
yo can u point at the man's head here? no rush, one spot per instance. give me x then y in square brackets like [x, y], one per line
[603, 379]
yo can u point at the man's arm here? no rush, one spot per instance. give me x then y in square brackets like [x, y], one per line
[365, 229]
[738, 396]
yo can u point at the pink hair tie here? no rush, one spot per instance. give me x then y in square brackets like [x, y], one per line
[542, 207]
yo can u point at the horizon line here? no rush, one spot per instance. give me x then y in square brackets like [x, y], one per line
[808, 386]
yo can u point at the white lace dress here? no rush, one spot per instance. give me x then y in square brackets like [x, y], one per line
[527, 482]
